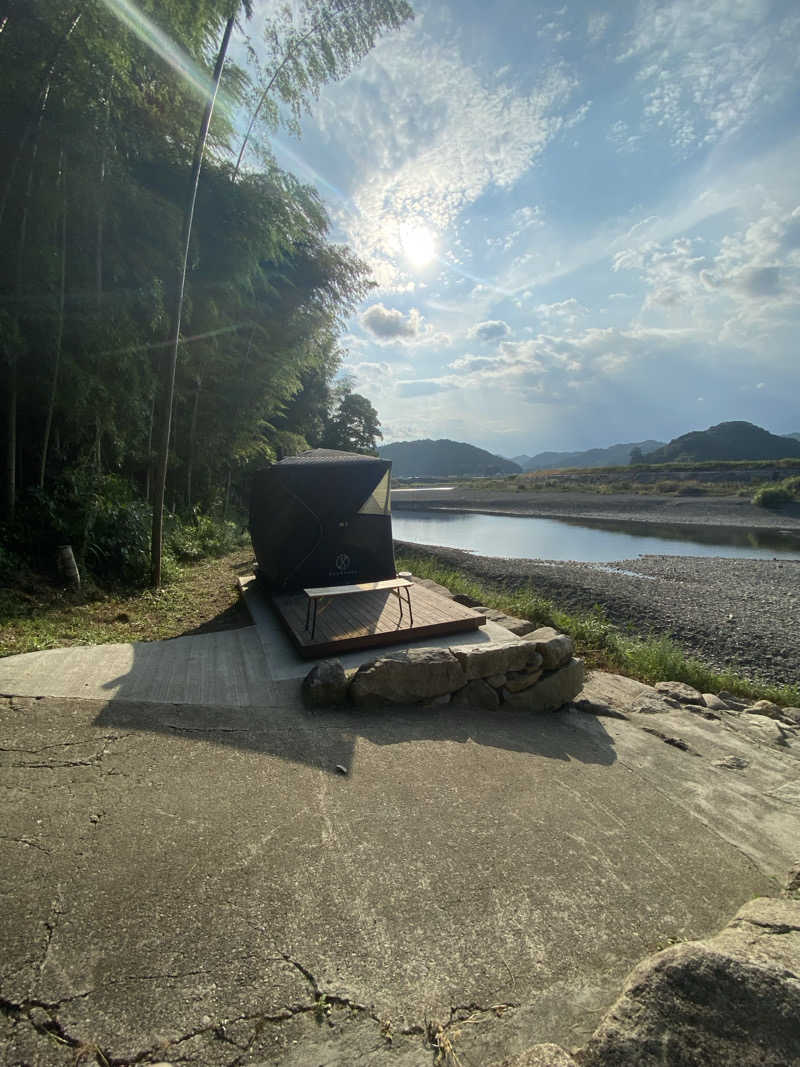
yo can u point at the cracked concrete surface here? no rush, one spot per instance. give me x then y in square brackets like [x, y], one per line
[198, 885]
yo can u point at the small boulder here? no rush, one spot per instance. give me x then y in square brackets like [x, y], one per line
[765, 707]
[516, 681]
[325, 685]
[477, 694]
[681, 692]
[518, 627]
[551, 692]
[712, 701]
[555, 649]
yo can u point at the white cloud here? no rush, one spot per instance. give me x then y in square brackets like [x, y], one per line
[745, 289]
[565, 312]
[389, 326]
[597, 25]
[707, 68]
[522, 221]
[491, 330]
[622, 138]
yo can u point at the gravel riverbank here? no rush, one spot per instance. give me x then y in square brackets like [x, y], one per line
[737, 613]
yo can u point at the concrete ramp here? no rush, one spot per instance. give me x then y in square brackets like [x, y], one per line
[226, 669]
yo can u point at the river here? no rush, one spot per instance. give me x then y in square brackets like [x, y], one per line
[523, 537]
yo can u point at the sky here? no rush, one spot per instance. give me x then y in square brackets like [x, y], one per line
[582, 220]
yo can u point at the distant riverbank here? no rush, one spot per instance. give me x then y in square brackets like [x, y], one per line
[721, 511]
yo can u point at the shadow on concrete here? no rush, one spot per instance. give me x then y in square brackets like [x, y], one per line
[328, 740]
[232, 618]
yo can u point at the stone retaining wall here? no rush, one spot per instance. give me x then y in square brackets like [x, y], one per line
[537, 673]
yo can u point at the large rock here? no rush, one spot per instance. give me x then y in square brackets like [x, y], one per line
[552, 691]
[407, 677]
[484, 660]
[477, 694]
[555, 649]
[325, 685]
[651, 702]
[731, 1001]
[681, 692]
[774, 711]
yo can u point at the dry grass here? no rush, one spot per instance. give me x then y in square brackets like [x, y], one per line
[37, 614]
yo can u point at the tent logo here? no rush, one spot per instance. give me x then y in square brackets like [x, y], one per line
[342, 561]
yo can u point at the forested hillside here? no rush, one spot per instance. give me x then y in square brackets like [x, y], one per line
[444, 459]
[727, 441]
[100, 133]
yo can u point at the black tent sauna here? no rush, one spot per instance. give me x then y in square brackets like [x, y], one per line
[323, 518]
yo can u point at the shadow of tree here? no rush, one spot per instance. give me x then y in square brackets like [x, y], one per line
[234, 617]
[328, 740]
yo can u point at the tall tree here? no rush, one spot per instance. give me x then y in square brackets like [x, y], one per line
[164, 424]
[353, 425]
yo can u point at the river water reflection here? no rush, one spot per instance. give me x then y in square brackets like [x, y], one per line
[521, 537]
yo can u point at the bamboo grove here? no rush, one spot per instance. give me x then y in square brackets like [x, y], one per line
[99, 121]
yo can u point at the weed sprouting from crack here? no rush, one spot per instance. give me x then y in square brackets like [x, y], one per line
[442, 1042]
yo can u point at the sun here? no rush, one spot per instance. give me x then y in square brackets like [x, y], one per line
[419, 244]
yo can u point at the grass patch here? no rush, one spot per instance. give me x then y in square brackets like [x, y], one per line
[602, 644]
[37, 614]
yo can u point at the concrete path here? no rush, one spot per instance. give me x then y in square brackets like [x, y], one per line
[195, 869]
[232, 668]
[227, 669]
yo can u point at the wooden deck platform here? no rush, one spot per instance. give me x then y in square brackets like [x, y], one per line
[362, 620]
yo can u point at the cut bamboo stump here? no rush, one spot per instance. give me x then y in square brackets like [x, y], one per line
[68, 567]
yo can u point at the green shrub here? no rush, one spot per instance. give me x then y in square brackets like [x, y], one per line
[118, 541]
[771, 496]
[201, 536]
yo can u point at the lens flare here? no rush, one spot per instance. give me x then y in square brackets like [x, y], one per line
[162, 44]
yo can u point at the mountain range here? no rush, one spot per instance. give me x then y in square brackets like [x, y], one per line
[613, 456]
[456, 459]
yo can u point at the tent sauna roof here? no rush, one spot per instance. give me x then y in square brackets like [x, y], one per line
[323, 518]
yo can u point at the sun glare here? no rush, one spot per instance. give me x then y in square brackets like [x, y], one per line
[419, 245]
